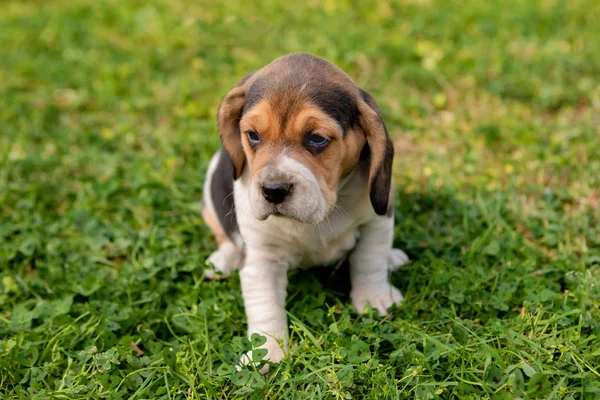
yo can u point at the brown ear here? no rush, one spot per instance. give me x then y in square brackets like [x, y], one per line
[381, 152]
[230, 113]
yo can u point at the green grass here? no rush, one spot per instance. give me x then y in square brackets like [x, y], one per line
[107, 123]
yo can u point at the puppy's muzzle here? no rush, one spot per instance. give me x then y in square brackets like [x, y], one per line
[276, 192]
[286, 187]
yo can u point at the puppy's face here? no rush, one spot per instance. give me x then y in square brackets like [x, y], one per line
[296, 155]
[298, 126]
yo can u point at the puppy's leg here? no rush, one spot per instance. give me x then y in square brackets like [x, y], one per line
[369, 265]
[219, 214]
[264, 285]
[228, 257]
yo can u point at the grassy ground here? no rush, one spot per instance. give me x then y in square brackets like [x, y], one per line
[107, 122]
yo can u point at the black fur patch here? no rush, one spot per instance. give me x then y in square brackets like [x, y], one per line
[338, 103]
[380, 187]
[255, 93]
[221, 188]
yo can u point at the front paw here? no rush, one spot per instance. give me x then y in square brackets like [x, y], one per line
[379, 296]
[275, 354]
[224, 261]
[396, 259]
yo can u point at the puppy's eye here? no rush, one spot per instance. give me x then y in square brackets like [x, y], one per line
[315, 143]
[253, 138]
[316, 140]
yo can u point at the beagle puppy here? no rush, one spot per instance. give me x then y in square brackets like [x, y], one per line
[304, 178]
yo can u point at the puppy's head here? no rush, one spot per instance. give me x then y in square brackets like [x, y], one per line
[300, 125]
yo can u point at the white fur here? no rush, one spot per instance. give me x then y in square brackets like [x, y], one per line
[224, 260]
[277, 244]
[306, 203]
[396, 259]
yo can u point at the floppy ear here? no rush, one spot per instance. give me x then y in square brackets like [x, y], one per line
[381, 152]
[230, 113]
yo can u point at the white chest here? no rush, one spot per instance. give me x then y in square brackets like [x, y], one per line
[329, 250]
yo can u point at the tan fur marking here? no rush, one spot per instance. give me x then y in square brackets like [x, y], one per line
[261, 119]
[355, 141]
[229, 112]
[311, 118]
[213, 223]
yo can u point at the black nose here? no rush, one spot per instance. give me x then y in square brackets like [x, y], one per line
[276, 192]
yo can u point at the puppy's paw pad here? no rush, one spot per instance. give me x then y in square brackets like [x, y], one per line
[380, 297]
[396, 259]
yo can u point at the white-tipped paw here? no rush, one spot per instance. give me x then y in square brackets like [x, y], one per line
[224, 261]
[380, 297]
[274, 354]
[396, 259]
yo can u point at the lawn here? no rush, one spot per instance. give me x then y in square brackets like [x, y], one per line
[107, 123]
